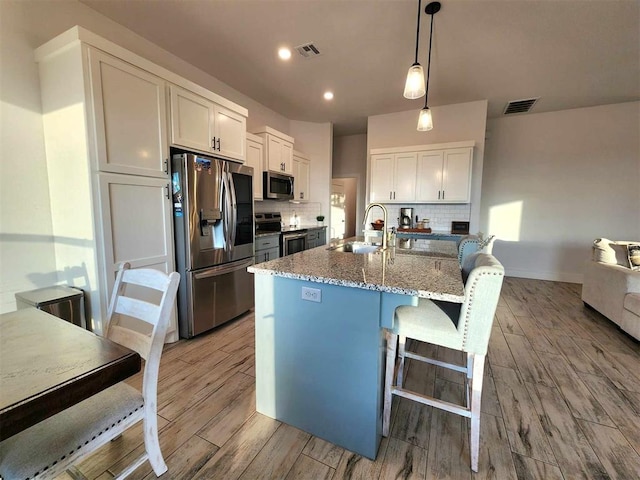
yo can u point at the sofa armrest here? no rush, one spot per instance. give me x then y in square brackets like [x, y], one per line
[605, 286]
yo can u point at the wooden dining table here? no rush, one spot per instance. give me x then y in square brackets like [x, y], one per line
[48, 364]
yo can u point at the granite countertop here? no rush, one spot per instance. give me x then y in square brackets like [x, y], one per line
[292, 229]
[432, 232]
[428, 269]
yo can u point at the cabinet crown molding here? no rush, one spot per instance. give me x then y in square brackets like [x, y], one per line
[275, 133]
[298, 154]
[255, 138]
[423, 148]
[77, 34]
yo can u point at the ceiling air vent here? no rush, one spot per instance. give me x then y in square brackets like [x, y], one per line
[308, 50]
[520, 106]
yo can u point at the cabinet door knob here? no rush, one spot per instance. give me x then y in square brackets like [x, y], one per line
[213, 143]
[168, 194]
[166, 166]
[218, 143]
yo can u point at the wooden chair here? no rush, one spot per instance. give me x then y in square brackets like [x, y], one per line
[465, 327]
[50, 447]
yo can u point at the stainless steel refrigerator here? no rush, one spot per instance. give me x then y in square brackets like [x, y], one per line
[214, 232]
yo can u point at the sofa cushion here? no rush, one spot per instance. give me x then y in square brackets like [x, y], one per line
[608, 251]
[633, 253]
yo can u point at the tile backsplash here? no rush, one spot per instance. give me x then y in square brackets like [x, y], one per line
[306, 212]
[440, 215]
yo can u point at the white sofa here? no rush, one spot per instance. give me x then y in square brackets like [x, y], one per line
[611, 285]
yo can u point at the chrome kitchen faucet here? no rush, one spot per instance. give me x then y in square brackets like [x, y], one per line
[384, 228]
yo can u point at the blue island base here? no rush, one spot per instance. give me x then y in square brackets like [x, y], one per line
[320, 365]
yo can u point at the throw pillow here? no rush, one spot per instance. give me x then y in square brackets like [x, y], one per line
[622, 256]
[633, 253]
[602, 251]
[608, 251]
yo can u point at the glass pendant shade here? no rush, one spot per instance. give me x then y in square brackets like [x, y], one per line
[425, 121]
[414, 87]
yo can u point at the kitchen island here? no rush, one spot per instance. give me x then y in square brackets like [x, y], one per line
[320, 344]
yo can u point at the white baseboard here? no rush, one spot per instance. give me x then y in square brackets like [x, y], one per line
[553, 276]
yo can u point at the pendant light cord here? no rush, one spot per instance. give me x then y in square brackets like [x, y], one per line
[426, 95]
[418, 31]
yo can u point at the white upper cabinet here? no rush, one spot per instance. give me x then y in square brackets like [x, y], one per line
[444, 176]
[456, 175]
[301, 175]
[129, 111]
[278, 150]
[230, 133]
[198, 123]
[255, 154]
[422, 174]
[191, 120]
[393, 177]
[381, 189]
[429, 187]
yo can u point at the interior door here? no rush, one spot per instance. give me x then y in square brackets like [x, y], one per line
[338, 213]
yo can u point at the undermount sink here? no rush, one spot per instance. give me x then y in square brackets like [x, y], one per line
[358, 247]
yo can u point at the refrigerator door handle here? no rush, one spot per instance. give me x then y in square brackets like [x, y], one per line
[229, 216]
[234, 210]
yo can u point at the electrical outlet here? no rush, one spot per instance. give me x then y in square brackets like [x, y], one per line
[312, 294]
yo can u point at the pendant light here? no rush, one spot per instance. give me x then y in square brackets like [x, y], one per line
[425, 120]
[414, 86]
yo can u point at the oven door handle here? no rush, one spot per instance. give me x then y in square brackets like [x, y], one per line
[293, 236]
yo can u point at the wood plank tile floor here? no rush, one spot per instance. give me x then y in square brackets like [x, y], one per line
[561, 400]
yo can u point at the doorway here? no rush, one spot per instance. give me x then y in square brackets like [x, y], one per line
[343, 207]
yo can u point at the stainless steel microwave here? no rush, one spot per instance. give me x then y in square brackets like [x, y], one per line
[277, 186]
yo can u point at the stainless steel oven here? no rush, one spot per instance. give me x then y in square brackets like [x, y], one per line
[293, 242]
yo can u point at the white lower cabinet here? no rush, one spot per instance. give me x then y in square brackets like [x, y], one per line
[422, 174]
[137, 227]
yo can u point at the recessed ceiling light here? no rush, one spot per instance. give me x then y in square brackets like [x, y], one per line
[284, 53]
[328, 95]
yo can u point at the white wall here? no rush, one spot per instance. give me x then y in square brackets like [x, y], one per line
[553, 182]
[452, 123]
[315, 140]
[27, 258]
[26, 239]
[350, 160]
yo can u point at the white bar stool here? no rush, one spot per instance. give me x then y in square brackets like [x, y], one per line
[465, 327]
